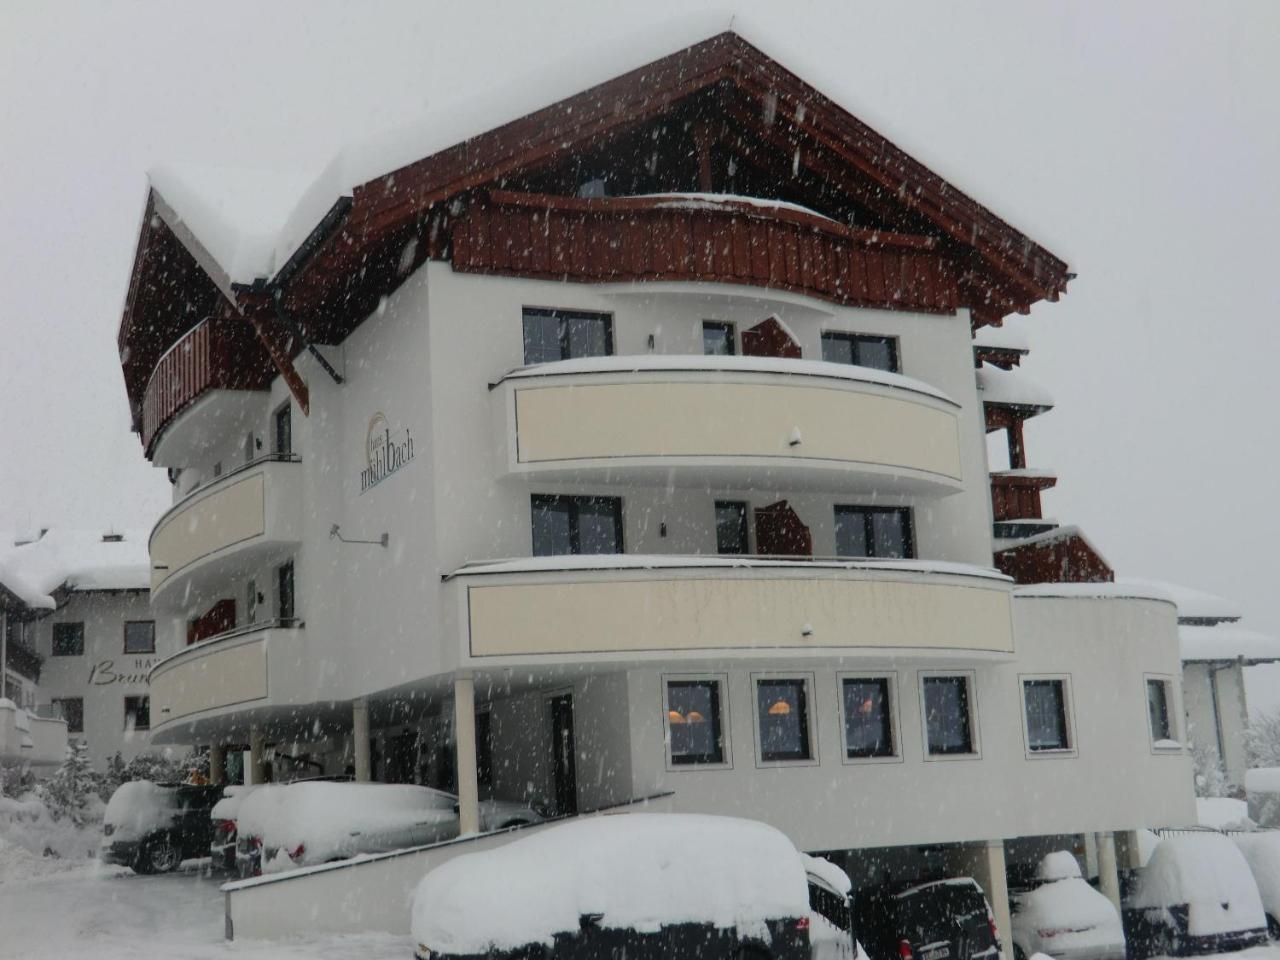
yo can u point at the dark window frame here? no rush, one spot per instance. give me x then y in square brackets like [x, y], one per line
[141, 708]
[282, 440]
[53, 648]
[868, 514]
[743, 509]
[575, 501]
[124, 635]
[888, 750]
[286, 592]
[563, 316]
[1066, 743]
[964, 682]
[806, 754]
[719, 755]
[1166, 719]
[723, 326]
[856, 341]
[74, 718]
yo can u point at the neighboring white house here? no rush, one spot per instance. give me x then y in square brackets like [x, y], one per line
[93, 633]
[554, 466]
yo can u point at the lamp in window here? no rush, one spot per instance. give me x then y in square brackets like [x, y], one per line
[779, 708]
[695, 717]
[867, 707]
[675, 716]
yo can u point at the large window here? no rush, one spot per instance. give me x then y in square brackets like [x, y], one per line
[948, 716]
[137, 713]
[782, 715]
[71, 709]
[285, 606]
[1045, 702]
[874, 532]
[140, 636]
[695, 733]
[868, 721]
[68, 639]
[731, 527]
[569, 525]
[718, 339]
[1160, 714]
[551, 335]
[880, 353]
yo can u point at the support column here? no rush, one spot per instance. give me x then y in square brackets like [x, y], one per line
[256, 773]
[217, 764]
[1129, 851]
[1108, 875]
[360, 739]
[464, 727]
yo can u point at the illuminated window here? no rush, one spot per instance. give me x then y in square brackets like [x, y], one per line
[868, 724]
[693, 721]
[782, 712]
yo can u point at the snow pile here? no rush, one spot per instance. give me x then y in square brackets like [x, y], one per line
[1011, 388]
[1262, 852]
[636, 871]
[828, 873]
[1223, 813]
[33, 843]
[1207, 872]
[77, 559]
[137, 808]
[1059, 865]
[827, 941]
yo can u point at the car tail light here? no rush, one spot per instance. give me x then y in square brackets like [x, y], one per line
[905, 951]
[995, 934]
[298, 851]
[224, 828]
[802, 923]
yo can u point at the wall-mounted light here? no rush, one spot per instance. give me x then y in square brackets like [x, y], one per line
[335, 533]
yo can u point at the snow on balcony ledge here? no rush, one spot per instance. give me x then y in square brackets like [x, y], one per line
[1089, 591]
[1227, 642]
[1012, 388]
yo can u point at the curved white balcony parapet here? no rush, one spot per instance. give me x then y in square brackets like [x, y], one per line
[249, 513]
[226, 671]
[799, 422]
[633, 607]
[27, 738]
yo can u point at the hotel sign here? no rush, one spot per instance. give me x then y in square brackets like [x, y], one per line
[386, 451]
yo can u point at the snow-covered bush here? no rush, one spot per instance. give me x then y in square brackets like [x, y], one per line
[74, 790]
[1210, 778]
[1262, 740]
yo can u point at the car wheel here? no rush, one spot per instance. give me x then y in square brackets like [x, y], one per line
[161, 855]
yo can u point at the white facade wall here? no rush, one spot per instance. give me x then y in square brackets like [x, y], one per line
[1217, 715]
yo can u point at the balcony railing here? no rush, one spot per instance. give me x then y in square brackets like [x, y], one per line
[215, 354]
[1015, 494]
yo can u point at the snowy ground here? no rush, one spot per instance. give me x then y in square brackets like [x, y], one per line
[111, 914]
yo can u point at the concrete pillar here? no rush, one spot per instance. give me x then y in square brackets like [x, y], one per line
[217, 764]
[1128, 850]
[360, 739]
[986, 865]
[464, 728]
[256, 772]
[1108, 874]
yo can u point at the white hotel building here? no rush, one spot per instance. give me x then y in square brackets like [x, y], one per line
[635, 446]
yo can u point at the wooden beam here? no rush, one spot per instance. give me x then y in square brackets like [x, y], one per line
[279, 344]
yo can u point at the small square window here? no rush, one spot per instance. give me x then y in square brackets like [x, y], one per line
[718, 339]
[948, 715]
[140, 636]
[879, 353]
[731, 527]
[71, 709]
[1160, 714]
[551, 335]
[1045, 702]
[782, 717]
[137, 713]
[868, 720]
[68, 639]
[695, 733]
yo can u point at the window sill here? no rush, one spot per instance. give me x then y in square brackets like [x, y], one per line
[889, 758]
[697, 767]
[931, 757]
[775, 764]
[1054, 753]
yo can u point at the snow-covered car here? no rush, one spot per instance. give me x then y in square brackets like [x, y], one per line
[225, 814]
[1064, 917]
[1195, 896]
[947, 919]
[830, 911]
[153, 827]
[635, 884]
[310, 822]
[1262, 852]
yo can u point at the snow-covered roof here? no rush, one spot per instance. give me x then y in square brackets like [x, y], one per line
[1227, 642]
[77, 560]
[1192, 604]
[1010, 339]
[712, 201]
[1011, 388]
[740, 364]
[1094, 591]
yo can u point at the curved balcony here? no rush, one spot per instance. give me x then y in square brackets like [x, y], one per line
[699, 419]
[637, 607]
[26, 738]
[252, 514]
[225, 672]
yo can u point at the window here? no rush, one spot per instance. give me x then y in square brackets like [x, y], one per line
[947, 716]
[731, 527]
[782, 713]
[718, 339]
[68, 639]
[248, 447]
[14, 629]
[217, 469]
[284, 591]
[140, 636]
[1159, 714]
[880, 353]
[1045, 702]
[874, 532]
[251, 602]
[571, 525]
[284, 430]
[137, 713]
[694, 726]
[71, 709]
[868, 722]
[551, 335]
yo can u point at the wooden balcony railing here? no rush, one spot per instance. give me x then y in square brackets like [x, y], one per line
[215, 354]
[1015, 495]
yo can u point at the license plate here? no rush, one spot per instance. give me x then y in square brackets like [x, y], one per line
[936, 953]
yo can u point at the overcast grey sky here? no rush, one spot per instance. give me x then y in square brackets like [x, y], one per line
[1140, 141]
